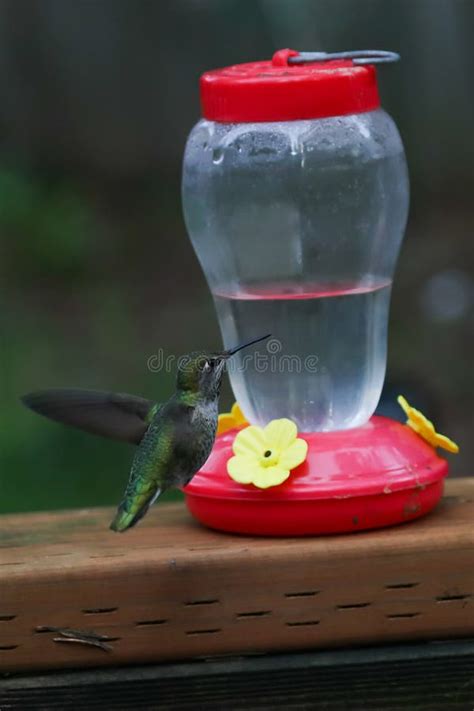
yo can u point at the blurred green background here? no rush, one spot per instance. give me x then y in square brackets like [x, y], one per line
[96, 269]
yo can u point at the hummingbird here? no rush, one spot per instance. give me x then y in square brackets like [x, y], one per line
[174, 438]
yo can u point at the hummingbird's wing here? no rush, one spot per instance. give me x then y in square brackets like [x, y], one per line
[115, 415]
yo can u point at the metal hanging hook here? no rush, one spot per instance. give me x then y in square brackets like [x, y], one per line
[361, 56]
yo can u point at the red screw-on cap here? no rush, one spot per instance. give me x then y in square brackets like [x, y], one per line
[281, 91]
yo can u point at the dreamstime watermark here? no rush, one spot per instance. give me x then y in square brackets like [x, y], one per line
[272, 360]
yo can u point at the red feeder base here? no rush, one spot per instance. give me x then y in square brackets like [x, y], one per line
[373, 476]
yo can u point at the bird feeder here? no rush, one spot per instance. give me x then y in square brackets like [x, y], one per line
[295, 192]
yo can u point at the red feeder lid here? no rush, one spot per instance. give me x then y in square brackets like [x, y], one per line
[277, 90]
[380, 474]
[379, 457]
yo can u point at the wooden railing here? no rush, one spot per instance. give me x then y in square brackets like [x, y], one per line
[74, 594]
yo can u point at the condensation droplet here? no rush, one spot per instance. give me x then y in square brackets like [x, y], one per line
[217, 156]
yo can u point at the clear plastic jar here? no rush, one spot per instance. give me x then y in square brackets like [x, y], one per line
[297, 225]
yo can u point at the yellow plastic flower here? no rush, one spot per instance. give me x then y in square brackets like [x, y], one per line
[264, 456]
[230, 420]
[425, 428]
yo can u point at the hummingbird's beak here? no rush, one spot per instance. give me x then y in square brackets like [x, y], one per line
[229, 353]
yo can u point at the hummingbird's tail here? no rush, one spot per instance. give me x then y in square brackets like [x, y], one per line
[131, 510]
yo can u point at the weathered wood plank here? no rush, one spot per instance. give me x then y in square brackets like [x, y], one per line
[424, 677]
[170, 589]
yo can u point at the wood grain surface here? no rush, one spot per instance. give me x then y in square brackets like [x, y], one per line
[170, 589]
